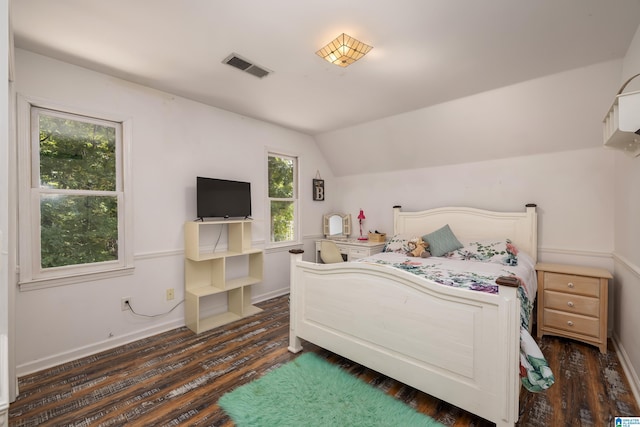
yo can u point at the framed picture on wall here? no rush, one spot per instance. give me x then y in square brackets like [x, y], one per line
[318, 189]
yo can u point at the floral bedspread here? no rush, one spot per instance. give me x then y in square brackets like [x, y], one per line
[454, 271]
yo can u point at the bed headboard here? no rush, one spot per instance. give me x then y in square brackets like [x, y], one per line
[471, 223]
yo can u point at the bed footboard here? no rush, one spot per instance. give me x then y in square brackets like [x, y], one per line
[457, 345]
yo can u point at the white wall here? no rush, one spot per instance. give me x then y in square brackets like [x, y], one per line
[627, 239]
[174, 140]
[5, 361]
[572, 190]
[560, 112]
[572, 187]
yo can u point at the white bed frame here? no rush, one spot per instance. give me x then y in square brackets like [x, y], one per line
[458, 345]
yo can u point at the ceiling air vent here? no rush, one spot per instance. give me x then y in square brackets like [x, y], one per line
[243, 64]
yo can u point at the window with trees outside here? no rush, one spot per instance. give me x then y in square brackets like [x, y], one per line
[74, 197]
[283, 198]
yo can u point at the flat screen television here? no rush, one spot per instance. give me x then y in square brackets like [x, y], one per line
[221, 198]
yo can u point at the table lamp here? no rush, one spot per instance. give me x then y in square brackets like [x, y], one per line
[360, 218]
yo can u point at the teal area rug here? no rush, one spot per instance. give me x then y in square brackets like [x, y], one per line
[309, 391]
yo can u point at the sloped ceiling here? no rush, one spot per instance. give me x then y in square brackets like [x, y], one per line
[425, 52]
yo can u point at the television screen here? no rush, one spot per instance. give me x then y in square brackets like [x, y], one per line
[220, 198]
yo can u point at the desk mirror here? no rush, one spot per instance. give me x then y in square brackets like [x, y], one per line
[337, 225]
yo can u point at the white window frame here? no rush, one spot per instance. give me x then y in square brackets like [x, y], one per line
[295, 199]
[32, 276]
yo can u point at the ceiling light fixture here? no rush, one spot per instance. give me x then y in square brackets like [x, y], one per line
[344, 50]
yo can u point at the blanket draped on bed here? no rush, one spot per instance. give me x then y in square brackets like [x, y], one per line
[535, 373]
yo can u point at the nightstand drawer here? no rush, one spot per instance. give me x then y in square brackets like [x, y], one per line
[570, 303]
[582, 285]
[577, 324]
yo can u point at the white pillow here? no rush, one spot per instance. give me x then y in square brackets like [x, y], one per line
[398, 244]
[500, 251]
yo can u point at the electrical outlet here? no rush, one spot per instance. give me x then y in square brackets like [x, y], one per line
[170, 294]
[124, 303]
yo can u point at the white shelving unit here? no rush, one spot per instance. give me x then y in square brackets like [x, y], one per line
[206, 274]
[621, 125]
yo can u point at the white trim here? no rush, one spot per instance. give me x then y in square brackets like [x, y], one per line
[269, 295]
[283, 248]
[110, 343]
[634, 269]
[627, 367]
[95, 348]
[32, 276]
[159, 254]
[12, 239]
[12, 54]
[575, 252]
[34, 285]
[272, 151]
[4, 373]
[23, 137]
[52, 282]
[127, 188]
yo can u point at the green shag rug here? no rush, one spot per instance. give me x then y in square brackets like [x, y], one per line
[310, 391]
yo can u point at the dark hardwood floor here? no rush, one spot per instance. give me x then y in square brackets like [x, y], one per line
[176, 378]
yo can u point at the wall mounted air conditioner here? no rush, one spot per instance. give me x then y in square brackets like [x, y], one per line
[621, 126]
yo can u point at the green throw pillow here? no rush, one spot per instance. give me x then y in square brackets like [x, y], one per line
[442, 241]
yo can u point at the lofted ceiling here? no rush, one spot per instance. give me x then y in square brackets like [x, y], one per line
[425, 52]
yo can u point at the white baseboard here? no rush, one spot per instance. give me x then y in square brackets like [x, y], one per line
[634, 269]
[627, 366]
[632, 375]
[269, 295]
[77, 353]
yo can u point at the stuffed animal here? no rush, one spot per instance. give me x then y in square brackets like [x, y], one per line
[418, 248]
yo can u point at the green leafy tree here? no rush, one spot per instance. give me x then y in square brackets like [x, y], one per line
[77, 156]
[281, 186]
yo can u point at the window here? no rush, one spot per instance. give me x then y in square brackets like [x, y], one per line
[283, 198]
[73, 193]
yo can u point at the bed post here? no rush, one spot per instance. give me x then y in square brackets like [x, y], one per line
[295, 346]
[532, 217]
[396, 212]
[510, 335]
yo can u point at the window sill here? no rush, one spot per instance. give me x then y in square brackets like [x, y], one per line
[34, 285]
[283, 247]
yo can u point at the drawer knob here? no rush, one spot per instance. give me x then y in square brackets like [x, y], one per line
[570, 304]
[570, 284]
[570, 323]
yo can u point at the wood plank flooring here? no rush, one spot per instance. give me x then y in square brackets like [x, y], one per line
[176, 378]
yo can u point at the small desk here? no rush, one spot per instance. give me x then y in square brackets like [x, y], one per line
[353, 248]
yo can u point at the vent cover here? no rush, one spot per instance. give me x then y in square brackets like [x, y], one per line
[245, 65]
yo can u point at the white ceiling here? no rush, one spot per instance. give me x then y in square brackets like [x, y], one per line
[425, 51]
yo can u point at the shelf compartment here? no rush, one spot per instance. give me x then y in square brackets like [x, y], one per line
[209, 273]
[238, 307]
[205, 274]
[204, 256]
[238, 238]
[200, 324]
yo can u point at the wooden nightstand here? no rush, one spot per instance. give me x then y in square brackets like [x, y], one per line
[572, 302]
